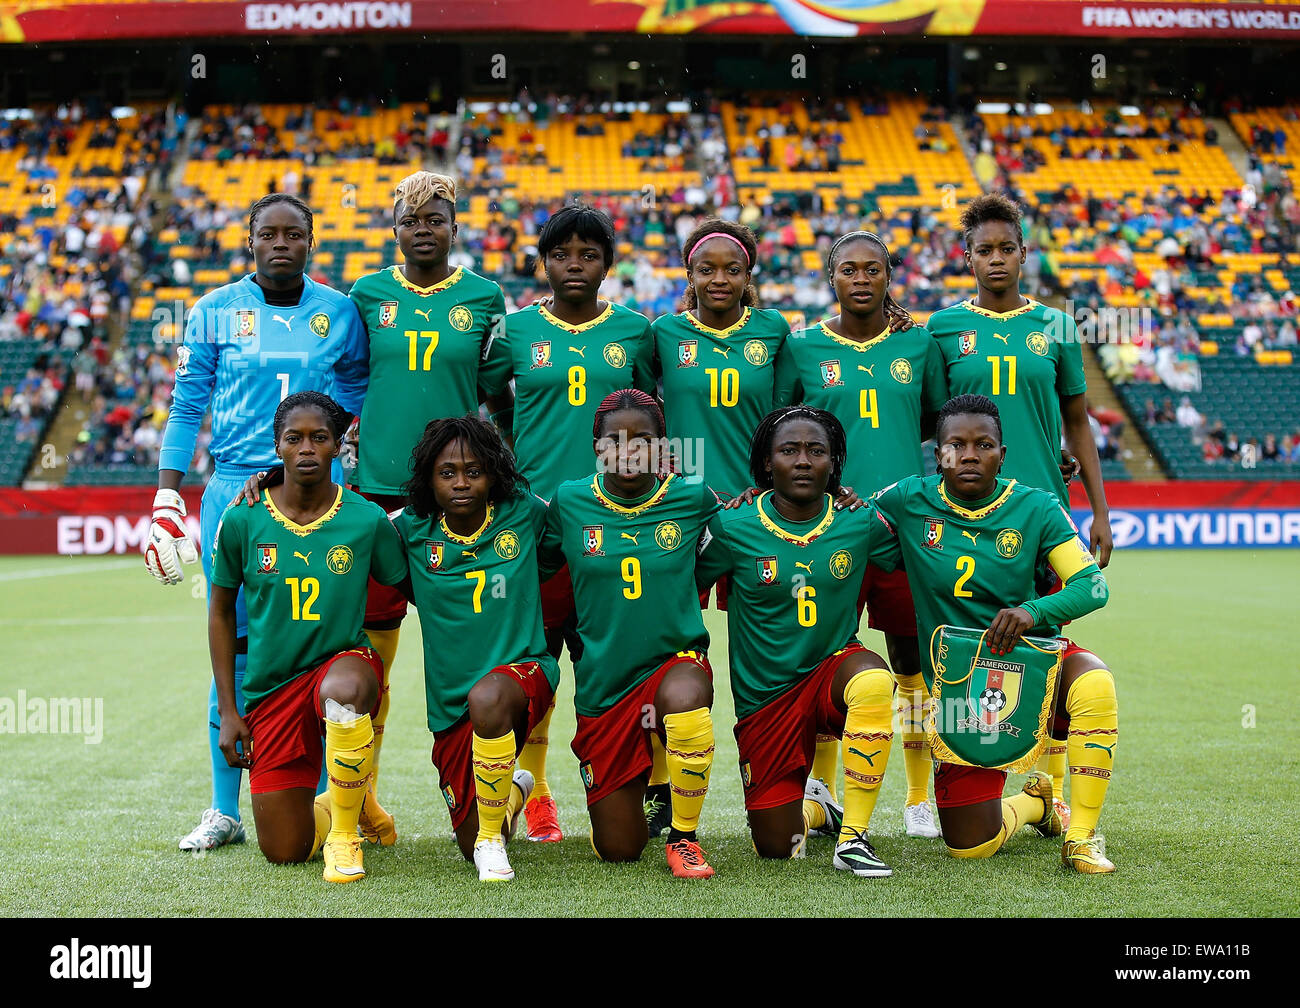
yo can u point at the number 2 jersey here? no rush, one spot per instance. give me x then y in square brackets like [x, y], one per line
[426, 344]
[633, 570]
[479, 600]
[304, 585]
[794, 590]
[1024, 360]
[967, 560]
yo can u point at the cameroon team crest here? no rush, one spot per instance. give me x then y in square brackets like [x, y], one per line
[746, 774]
[841, 564]
[266, 558]
[588, 775]
[668, 535]
[933, 534]
[593, 540]
[766, 570]
[433, 554]
[387, 314]
[831, 374]
[449, 796]
[245, 325]
[339, 559]
[320, 324]
[901, 369]
[541, 355]
[615, 355]
[461, 318]
[966, 342]
[997, 701]
[756, 352]
[688, 352]
[1008, 542]
[1037, 343]
[506, 544]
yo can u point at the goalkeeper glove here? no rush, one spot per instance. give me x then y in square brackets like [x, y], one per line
[351, 440]
[169, 544]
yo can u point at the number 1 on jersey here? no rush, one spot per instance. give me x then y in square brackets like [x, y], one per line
[997, 373]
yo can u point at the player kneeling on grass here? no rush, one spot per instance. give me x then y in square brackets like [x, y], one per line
[797, 668]
[628, 534]
[471, 533]
[303, 557]
[971, 543]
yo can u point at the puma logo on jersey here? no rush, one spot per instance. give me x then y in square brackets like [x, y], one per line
[632, 536]
[1108, 748]
[859, 752]
[725, 351]
[580, 352]
[490, 783]
[807, 567]
[1001, 337]
[301, 557]
[424, 312]
[863, 367]
[471, 554]
[972, 538]
[288, 323]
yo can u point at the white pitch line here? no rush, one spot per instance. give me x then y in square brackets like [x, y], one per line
[95, 621]
[68, 568]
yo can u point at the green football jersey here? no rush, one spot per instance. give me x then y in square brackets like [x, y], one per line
[878, 390]
[304, 585]
[794, 591]
[718, 386]
[561, 374]
[1025, 361]
[426, 347]
[964, 561]
[479, 601]
[633, 570]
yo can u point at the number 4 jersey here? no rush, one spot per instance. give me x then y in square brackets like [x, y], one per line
[305, 585]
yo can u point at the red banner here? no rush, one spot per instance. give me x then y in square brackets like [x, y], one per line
[73, 20]
[79, 521]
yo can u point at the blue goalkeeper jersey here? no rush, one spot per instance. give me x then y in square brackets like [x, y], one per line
[242, 356]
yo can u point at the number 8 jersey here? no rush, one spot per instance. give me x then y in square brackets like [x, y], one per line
[305, 585]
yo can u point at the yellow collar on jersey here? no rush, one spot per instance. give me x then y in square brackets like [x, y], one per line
[720, 333]
[471, 539]
[790, 537]
[453, 278]
[972, 306]
[293, 526]
[853, 344]
[978, 513]
[569, 327]
[636, 509]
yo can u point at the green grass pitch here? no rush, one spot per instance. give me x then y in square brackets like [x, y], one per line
[1200, 817]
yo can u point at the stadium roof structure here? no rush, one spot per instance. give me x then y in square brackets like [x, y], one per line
[89, 20]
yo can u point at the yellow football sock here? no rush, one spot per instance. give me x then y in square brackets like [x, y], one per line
[814, 815]
[987, 849]
[911, 705]
[1052, 763]
[533, 755]
[826, 763]
[321, 810]
[869, 697]
[659, 767]
[689, 754]
[348, 755]
[1094, 732]
[1021, 810]
[385, 642]
[493, 764]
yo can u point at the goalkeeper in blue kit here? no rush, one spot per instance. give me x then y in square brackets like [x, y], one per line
[247, 346]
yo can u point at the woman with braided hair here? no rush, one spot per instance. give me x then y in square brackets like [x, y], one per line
[628, 534]
[886, 389]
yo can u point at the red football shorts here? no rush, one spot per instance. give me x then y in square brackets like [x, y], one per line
[557, 599]
[385, 605]
[614, 746]
[453, 749]
[887, 597]
[778, 740]
[287, 727]
[955, 786]
[719, 588]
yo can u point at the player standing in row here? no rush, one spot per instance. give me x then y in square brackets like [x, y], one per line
[563, 357]
[471, 533]
[797, 668]
[1028, 358]
[628, 534]
[247, 346]
[428, 325]
[885, 387]
[302, 559]
[972, 544]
